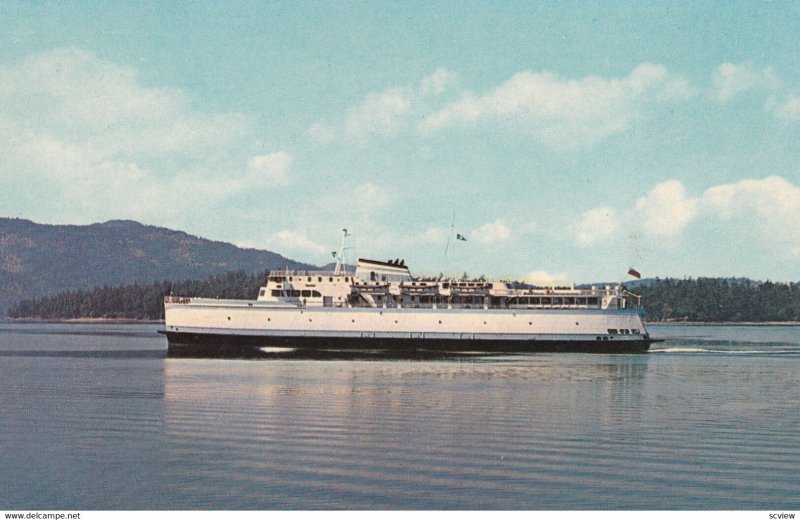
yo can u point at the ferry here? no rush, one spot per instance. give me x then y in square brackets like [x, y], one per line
[380, 306]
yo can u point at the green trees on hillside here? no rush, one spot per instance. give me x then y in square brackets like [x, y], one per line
[701, 299]
[719, 299]
[136, 302]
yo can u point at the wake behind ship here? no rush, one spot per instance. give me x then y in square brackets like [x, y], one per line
[381, 307]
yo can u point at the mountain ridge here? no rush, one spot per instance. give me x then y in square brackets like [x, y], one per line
[44, 259]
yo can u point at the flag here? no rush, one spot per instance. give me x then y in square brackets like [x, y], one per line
[633, 272]
[461, 237]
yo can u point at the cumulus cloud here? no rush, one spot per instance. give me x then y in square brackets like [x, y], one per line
[769, 208]
[295, 242]
[386, 112]
[85, 131]
[562, 111]
[596, 225]
[437, 83]
[766, 210]
[491, 232]
[379, 114]
[788, 110]
[666, 210]
[433, 235]
[270, 169]
[544, 279]
[730, 80]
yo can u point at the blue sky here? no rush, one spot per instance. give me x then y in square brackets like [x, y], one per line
[571, 140]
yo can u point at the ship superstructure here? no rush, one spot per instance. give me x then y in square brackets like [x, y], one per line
[380, 305]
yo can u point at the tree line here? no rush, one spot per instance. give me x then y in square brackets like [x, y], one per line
[720, 300]
[670, 299]
[136, 301]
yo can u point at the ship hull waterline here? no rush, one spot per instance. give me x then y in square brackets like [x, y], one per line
[190, 344]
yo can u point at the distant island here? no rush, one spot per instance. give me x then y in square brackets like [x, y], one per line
[38, 260]
[122, 269]
[691, 300]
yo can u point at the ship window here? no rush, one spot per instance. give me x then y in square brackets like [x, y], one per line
[296, 293]
[372, 276]
[306, 293]
[635, 331]
[445, 285]
[490, 285]
[612, 331]
[262, 292]
[626, 331]
[346, 279]
[319, 279]
[316, 294]
[569, 301]
[276, 293]
[593, 301]
[383, 277]
[545, 301]
[536, 301]
[290, 278]
[330, 278]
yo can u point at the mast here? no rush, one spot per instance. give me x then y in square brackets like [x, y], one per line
[340, 256]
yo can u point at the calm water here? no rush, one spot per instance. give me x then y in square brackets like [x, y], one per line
[95, 417]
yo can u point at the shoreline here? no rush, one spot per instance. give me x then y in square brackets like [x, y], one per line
[726, 323]
[82, 321]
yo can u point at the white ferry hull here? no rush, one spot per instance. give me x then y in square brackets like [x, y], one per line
[205, 327]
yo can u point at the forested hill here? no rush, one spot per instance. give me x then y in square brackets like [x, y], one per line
[702, 299]
[38, 260]
[720, 300]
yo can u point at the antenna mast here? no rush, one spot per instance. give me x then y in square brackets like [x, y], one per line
[340, 256]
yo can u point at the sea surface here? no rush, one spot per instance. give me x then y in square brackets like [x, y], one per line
[97, 417]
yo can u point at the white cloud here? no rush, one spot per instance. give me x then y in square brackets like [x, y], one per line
[596, 226]
[386, 112]
[543, 278]
[87, 133]
[380, 113]
[295, 242]
[788, 110]
[73, 95]
[769, 208]
[666, 209]
[730, 80]
[270, 169]
[433, 235]
[565, 112]
[763, 211]
[491, 232]
[437, 83]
